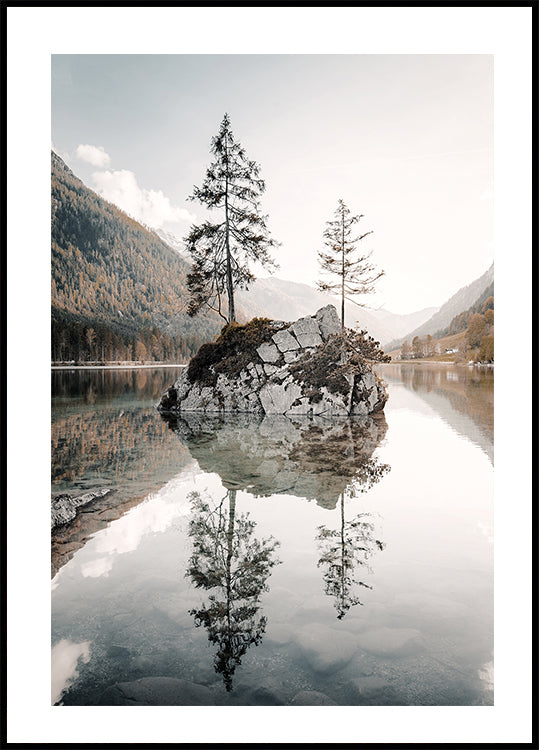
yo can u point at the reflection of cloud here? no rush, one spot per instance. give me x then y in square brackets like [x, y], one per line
[64, 659]
[151, 207]
[154, 515]
[96, 568]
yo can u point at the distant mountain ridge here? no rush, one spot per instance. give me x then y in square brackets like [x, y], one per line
[458, 303]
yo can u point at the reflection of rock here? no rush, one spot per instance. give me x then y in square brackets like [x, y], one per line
[68, 538]
[268, 367]
[138, 456]
[312, 458]
[64, 508]
[156, 691]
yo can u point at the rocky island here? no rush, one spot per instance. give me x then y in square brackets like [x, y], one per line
[310, 367]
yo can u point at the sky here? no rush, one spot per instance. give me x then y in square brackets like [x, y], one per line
[404, 140]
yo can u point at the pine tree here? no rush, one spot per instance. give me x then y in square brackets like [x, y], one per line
[221, 250]
[356, 274]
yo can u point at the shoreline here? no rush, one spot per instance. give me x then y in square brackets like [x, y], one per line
[114, 367]
[437, 362]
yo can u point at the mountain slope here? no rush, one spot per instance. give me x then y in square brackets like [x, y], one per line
[399, 325]
[112, 274]
[459, 302]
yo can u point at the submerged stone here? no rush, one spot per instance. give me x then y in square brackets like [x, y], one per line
[324, 649]
[312, 698]
[65, 507]
[156, 691]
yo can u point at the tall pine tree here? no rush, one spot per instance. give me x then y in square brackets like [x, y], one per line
[221, 250]
[356, 275]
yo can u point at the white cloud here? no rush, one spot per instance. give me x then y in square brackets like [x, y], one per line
[151, 207]
[94, 155]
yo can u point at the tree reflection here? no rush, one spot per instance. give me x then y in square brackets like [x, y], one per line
[347, 549]
[228, 561]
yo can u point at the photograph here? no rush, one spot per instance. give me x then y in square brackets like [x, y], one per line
[272, 380]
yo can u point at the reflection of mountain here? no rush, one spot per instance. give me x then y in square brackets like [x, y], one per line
[312, 458]
[96, 385]
[112, 447]
[126, 449]
[462, 396]
[230, 563]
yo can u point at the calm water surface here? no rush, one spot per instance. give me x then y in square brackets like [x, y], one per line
[246, 561]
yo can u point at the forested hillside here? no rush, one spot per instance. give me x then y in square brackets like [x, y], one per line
[118, 291]
[458, 303]
[460, 322]
[469, 336]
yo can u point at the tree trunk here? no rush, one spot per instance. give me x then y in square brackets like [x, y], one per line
[342, 277]
[230, 288]
[230, 539]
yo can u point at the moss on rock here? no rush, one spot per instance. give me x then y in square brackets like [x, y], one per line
[233, 350]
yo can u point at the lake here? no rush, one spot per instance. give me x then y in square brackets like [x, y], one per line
[248, 561]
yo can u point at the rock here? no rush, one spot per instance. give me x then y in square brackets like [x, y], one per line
[268, 352]
[156, 691]
[305, 326]
[325, 649]
[312, 698]
[309, 339]
[392, 641]
[285, 341]
[328, 321]
[306, 368]
[276, 399]
[64, 507]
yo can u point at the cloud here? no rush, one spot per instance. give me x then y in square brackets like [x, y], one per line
[94, 155]
[151, 207]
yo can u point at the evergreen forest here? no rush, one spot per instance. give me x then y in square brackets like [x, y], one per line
[118, 292]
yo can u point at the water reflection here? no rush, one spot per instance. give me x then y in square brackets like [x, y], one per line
[348, 548]
[94, 385]
[462, 396]
[312, 458]
[65, 656]
[105, 436]
[233, 565]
